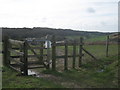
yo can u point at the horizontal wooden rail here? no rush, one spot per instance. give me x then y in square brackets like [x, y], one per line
[15, 48]
[27, 56]
[16, 52]
[16, 42]
[15, 56]
[38, 48]
[16, 65]
[69, 56]
[35, 62]
[68, 44]
[36, 67]
[18, 62]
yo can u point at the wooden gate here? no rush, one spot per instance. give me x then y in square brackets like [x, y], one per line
[17, 54]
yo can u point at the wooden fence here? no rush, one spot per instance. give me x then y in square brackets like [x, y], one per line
[21, 50]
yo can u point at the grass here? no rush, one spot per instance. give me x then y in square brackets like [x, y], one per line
[90, 39]
[94, 39]
[11, 80]
[89, 76]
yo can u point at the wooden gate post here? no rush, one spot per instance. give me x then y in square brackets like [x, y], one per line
[74, 53]
[5, 51]
[66, 57]
[21, 58]
[107, 45]
[25, 49]
[53, 53]
[80, 51]
[41, 51]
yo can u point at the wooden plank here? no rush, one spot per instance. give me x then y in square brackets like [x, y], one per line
[36, 67]
[16, 48]
[80, 51]
[14, 60]
[63, 44]
[53, 53]
[16, 52]
[89, 54]
[16, 42]
[38, 47]
[34, 62]
[15, 56]
[66, 57]
[69, 56]
[74, 53]
[35, 55]
[18, 65]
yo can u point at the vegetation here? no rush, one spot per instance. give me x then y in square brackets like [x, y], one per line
[11, 79]
[21, 33]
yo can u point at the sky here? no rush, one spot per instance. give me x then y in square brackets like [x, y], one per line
[82, 15]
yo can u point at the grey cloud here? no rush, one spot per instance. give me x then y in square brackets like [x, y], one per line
[91, 10]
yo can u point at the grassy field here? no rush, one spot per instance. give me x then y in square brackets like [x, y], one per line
[90, 39]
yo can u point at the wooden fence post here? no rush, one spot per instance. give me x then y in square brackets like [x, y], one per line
[41, 51]
[74, 53]
[80, 51]
[25, 58]
[66, 57]
[53, 53]
[107, 45]
[9, 46]
[5, 51]
[21, 58]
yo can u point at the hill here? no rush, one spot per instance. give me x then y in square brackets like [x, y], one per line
[37, 32]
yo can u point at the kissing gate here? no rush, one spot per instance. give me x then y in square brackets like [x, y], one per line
[20, 55]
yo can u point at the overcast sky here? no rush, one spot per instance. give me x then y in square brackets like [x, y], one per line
[85, 15]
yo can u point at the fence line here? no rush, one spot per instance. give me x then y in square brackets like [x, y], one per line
[22, 54]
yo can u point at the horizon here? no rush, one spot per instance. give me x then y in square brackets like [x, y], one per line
[94, 15]
[59, 28]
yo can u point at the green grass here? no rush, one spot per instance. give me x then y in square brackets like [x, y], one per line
[10, 80]
[90, 39]
[89, 77]
[94, 39]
